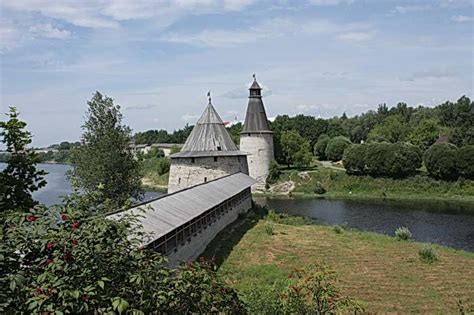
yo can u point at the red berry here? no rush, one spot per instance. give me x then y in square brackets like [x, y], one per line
[49, 261]
[202, 259]
[76, 225]
[213, 258]
[64, 217]
[74, 242]
[50, 245]
[31, 218]
[38, 291]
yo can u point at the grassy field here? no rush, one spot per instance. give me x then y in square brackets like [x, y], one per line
[382, 272]
[340, 185]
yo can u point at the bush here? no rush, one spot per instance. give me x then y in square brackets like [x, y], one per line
[335, 148]
[155, 165]
[441, 161]
[338, 229]
[65, 260]
[354, 159]
[273, 172]
[403, 233]
[269, 228]
[319, 189]
[319, 149]
[427, 254]
[283, 218]
[466, 161]
[392, 159]
[313, 291]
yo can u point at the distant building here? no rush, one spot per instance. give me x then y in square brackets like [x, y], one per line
[166, 147]
[207, 154]
[256, 137]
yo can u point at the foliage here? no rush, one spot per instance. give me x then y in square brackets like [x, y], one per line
[234, 132]
[426, 132]
[175, 149]
[466, 161]
[313, 291]
[403, 233]
[154, 153]
[20, 178]
[428, 254]
[354, 159]
[284, 218]
[295, 149]
[393, 129]
[269, 226]
[162, 136]
[105, 158]
[335, 148]
[264, 300]
[338, 229]
[320, 147]
[159, 166]
[273, 172]
[65, 260]
[382, 159]
[441, 161]
[319, 189]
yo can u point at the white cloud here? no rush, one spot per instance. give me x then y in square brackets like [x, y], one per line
[49, 31]
[270, 28]
[9, 37]
[109, 13]
[462, 18]
[410, 8]
[356, 36]
[330, 2]
[189, 118]
[431, 74]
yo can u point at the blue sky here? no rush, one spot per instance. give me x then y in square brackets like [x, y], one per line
[158, 59]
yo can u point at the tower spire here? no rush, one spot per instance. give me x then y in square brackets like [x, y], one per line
[209, 96]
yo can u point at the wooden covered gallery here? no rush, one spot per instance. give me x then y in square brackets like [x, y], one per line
[182, 224]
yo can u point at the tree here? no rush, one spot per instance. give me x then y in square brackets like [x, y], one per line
[65, 260]
[335, 148]
[174, 149]
[426, 132]
[105, 159]
[466, 161]
[234, 132]
[320, 147]
[273, 172]
[354, 159]
[393, 129]
[295, 149]
[441, 161]
[20, 178]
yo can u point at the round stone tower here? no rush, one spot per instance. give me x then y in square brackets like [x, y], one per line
[208, 153]
[256, 137]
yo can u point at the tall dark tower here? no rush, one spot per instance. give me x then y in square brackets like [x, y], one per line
[256, 137]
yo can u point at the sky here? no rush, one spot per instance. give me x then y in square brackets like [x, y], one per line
[158, 59]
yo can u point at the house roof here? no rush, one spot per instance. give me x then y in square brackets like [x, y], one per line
[164, 214]
[166, 145]
[208, 136]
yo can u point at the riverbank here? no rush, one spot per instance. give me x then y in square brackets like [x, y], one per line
[384, 273]
[336, 184]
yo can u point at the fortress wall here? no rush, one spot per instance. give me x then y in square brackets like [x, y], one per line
[260, 147]
[196, 245]
[185, 173]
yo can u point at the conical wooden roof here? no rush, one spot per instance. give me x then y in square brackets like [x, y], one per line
[209, 137]
[256, 119]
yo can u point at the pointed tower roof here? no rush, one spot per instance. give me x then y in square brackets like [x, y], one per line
[209, 137]
[256, 119]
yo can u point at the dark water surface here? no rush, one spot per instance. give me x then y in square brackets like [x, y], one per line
[445, 223]
[58, 184]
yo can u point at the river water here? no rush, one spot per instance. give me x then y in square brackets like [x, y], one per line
[446, 223]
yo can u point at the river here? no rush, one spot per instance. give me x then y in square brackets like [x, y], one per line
[445, 223]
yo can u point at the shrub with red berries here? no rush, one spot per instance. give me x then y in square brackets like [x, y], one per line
[67, 259]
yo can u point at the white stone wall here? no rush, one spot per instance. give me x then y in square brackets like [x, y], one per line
[260, 147]
[184, 173]
[197, 244]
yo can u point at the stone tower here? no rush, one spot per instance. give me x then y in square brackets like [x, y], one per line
[256, 137]
[207, 154]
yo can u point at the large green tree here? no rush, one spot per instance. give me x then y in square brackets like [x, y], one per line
[20, 178]
[105, 158]
[393, 129]
[295, 149]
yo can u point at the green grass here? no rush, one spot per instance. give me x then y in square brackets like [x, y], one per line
[384, 273]
[340, 185]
